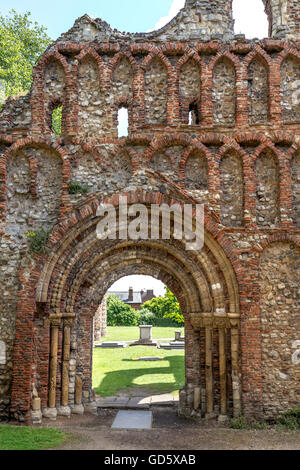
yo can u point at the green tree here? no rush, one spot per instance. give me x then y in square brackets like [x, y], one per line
[165, 307]
[120, 314]
[22, 42]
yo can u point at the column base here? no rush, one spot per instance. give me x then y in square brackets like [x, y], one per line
[50, 413]
[223, 419]
[36, 417]
[91, 408]
[64, 411]
[77, 409]
[210, 416]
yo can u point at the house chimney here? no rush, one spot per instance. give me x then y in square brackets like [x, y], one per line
[130, 294]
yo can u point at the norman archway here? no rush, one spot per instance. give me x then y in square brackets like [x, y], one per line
[68, 286]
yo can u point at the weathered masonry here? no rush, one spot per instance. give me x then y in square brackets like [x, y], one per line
[214, 119]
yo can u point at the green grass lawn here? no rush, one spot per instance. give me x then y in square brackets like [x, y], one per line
[115, 370]
[132, 333]
[23, 438]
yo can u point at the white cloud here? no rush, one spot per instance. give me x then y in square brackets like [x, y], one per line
[176, 6]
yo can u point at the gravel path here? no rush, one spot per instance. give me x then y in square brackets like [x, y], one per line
[169, 433]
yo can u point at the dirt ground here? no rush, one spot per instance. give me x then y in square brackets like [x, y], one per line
[169, 433]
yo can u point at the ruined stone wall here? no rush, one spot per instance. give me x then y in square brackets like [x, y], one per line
[100, 320]
[212, 118]
[280, 280]
[284, 18]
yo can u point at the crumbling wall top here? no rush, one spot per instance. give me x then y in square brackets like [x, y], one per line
[284, 18]
[199, 19]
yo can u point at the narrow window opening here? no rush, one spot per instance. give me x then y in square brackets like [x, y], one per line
[123, 122]
[193, 115]
[56, 120]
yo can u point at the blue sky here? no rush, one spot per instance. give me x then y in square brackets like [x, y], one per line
[129, 15]
[59, 15]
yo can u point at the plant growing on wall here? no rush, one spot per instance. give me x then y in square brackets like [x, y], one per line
[38, 240]
[78, 188]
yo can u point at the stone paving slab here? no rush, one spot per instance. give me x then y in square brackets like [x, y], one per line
[145, 403]
[133, 420]
[166, 400]
[138, 402]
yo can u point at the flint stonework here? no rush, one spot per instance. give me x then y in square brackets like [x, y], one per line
[214, 120]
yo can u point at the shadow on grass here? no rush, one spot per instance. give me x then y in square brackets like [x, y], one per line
[125, 379]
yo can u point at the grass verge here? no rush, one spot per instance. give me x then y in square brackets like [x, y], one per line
[27, 438]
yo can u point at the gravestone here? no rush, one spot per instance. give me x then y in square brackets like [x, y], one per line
[178, 345]
[145, 337]
[112, 345]
[178, 336]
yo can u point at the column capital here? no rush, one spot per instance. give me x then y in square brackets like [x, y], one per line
[55, 322]
[68, 322]
[214, 320]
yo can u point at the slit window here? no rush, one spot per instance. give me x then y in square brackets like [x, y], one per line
[193, 115]
[56, 120]
[123, 122]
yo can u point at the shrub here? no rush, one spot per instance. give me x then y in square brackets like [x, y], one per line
[120, 314]
[166, 308]
[291, 419]
[38, 240]
[149, 318]
[78, 188]
[239, 423]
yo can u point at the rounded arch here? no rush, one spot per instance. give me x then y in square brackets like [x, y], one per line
[196, 170]
[54, 148]
[127, 56]
[231, 171]
[267, 173]
[91, 55]
[86, 220]
[157, 78]
[226, 74]
[66, 286]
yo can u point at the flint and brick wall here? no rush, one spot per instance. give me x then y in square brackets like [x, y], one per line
[213, 119]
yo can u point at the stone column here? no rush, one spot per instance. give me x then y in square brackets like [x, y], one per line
[55, 324]
[51, 412]
[66, 362]
[222, 362]
[236, 379]
[208, 324]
